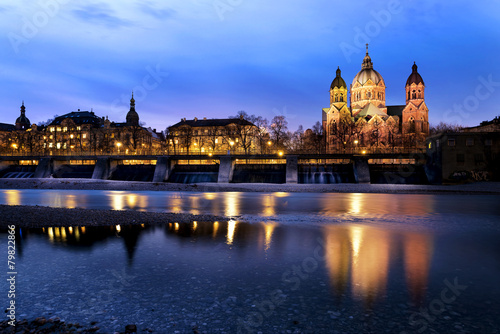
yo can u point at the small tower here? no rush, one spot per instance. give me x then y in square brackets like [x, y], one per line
[22, 122]
[338, 91]
[415, 114]
[132, 115]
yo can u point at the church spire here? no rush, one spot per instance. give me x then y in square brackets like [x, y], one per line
[367, 61]
[132, 115]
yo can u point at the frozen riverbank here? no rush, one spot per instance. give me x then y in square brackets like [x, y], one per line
[87, 184]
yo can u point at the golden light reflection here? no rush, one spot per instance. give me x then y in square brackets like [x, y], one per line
[63, 233]
[83, 229]
[195, 225]
[70, 229]
[418, 249]
[131, 200]
[51, 234]
[117, 200]
[366, 250]
[176, 226]
[269, 229]
[355, 203]
[232, 203]
[176, 204]
[231, 228]
[57, 232]
[371, 266]
[210, 196]
[269, 205]
[216, 228]
[70, 201]
[77, 234]
[13, 197]
[118, 228]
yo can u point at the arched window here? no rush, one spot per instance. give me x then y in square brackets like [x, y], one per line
[419, 94]
[341, 97]
[336, 97]
[368, 95]
[411, 124]
[414, 95]
[408, 95]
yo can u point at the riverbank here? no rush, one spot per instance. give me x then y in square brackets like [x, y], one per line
[40, 216]
[88, 184]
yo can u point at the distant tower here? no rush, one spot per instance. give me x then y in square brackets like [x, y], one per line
[22, 122]
[367, 87]
[415, 114]
[132, 115]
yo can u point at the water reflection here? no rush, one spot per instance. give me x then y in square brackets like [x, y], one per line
[121, 200]
[234, 204]
[364, 254]
[13, 197]
[357, 257]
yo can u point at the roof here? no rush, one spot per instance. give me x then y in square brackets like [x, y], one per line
[370, 110]
[7, 127]
[338, 81]
[395, 110]
[368, 74]
[414, 77]
[79, 117]
[195, 123]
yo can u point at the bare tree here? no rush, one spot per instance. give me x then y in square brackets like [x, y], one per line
[278, 129]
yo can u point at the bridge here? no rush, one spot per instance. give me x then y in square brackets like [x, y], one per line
[359, 165]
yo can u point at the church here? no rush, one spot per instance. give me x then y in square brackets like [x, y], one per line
[368, 124]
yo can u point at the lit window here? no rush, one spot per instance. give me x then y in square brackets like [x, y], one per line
[58, 145]
[50, 145]
[71, 136]
[65, 129]
[78, 128]
[84, 135]
[430, 145]
[52, 129]
[58, 129]
[216, 140]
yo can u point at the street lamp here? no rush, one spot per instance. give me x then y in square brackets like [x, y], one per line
[356, 145]
[280, 153]
[118, 145]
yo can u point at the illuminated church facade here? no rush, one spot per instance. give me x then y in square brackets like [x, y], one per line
[368, 123]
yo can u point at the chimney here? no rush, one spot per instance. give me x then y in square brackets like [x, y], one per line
[195, 119]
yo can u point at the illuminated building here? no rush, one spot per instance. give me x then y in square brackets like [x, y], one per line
[368, 122]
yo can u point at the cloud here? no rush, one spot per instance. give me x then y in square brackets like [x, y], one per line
[160, 14]
[101, 14]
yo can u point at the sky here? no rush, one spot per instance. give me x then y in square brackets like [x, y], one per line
[213, 58]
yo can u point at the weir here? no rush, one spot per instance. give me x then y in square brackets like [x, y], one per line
[304, 168]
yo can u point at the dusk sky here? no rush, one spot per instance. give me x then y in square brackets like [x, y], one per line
[212, 58]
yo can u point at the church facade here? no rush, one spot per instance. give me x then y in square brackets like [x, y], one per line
[367, 123]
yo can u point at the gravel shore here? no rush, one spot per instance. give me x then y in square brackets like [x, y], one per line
[88, 184]
[39, 216]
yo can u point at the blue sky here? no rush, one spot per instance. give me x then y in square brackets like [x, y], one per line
[212, 58]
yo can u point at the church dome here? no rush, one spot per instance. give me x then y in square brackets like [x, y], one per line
[414, 76]
[22, 122]
[338, 82]
[367, 72]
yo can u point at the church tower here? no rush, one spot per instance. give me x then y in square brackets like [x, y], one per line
[22, 122]
[415, 114]
[132, 115]
[338, 91]
[338, 114]
[367, 88]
